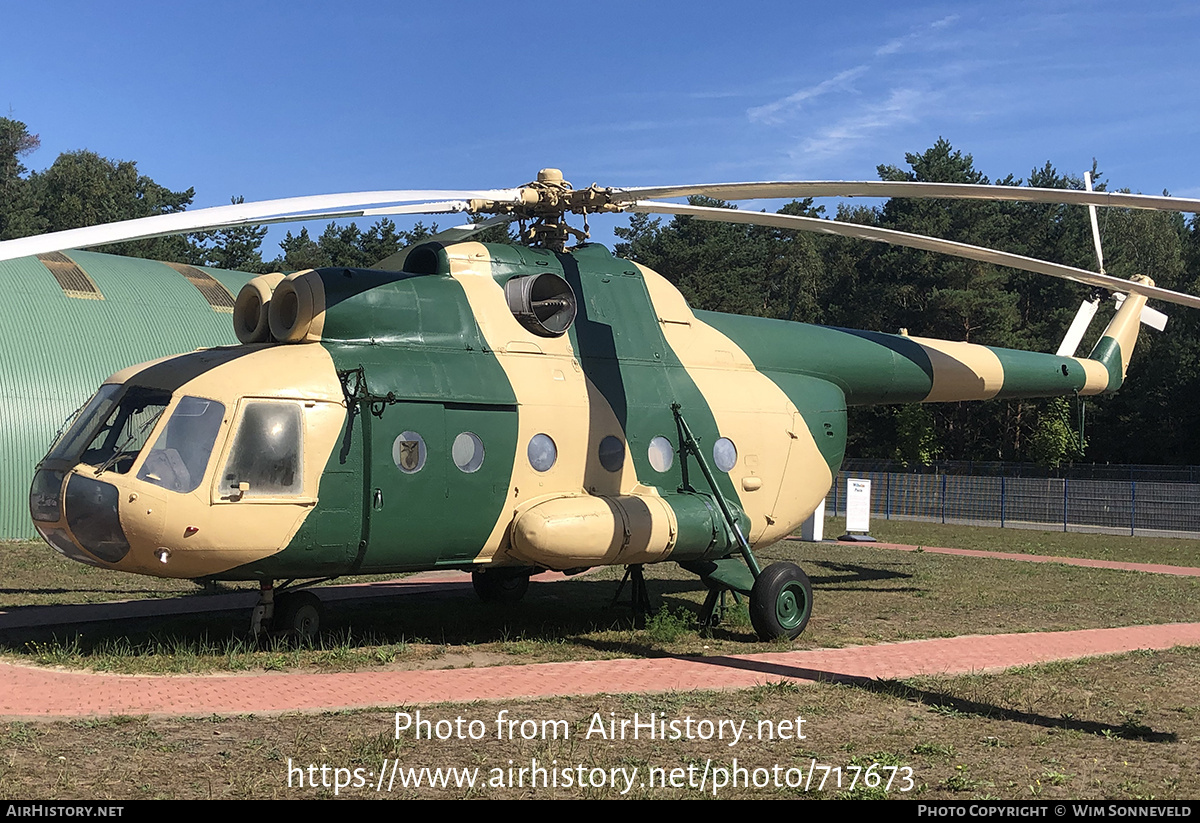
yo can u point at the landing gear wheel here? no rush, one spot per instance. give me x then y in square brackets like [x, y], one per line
[503, 586]
[780, 602]
[297, 617]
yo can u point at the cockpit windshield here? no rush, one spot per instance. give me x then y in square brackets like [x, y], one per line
[116, 443]
[112, 428]
[81, 428]
[116, 424]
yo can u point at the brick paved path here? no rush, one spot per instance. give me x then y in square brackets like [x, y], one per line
[26, 691]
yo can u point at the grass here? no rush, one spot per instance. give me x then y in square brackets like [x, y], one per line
[1170, 550]
[31, 573]
[1057, 731]
[862, 595]
[1121, 727]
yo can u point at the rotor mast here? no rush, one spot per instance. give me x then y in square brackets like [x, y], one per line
[544, 203]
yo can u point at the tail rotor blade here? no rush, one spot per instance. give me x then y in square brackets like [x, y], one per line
[1074, 336]
[1087, 182]
[1154, 318]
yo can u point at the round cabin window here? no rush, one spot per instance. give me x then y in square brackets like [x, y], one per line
[467, 452]
[542, 452]
[725, 454]
[612, 453]
[661, 454]
[408, 452]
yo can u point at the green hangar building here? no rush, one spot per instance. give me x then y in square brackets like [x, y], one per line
[71, 320]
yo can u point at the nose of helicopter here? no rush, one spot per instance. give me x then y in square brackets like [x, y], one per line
[165, 471]
[46, 504]
[90, 510]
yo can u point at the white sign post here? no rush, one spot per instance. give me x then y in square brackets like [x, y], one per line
[858, 511]
[813, 529]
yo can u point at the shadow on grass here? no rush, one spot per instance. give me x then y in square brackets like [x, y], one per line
[578, 613]
[848, 576]
[948, 704]
[125, 593]
[552, 613]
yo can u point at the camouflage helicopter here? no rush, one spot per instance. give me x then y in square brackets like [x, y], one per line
[507, 409]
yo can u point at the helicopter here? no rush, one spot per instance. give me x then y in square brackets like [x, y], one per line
[507, 409]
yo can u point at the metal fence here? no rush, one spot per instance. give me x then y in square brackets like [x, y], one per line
[1135, 507]
[1071, 471]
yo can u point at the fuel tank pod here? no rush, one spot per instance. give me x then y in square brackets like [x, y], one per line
[592, 530]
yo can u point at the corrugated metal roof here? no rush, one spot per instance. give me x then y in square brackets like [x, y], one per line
[74, 280]
[56, 349]
[210, 288]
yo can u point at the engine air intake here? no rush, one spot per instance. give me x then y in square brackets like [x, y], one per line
[542, 303]
[251, 310]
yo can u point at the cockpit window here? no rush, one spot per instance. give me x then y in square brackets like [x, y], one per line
[81, 427]
[115, 444]
[266, 452]
[180, 455]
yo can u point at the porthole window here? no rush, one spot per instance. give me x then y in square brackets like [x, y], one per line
[467, 452]
[725, 454]
[612, 453]
[661, 454]
[542, 452]
[408, 452]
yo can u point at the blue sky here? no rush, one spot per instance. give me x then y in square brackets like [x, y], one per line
[280, 99]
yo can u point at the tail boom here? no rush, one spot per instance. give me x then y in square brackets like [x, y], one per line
[875, 368]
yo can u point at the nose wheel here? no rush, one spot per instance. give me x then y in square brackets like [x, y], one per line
[297, 617]
[781, 596]
[294, 615]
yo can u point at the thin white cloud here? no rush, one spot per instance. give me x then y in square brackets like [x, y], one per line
[780, 110]
[776, 112]
[900, 43]
[892, 46]
[902, 106]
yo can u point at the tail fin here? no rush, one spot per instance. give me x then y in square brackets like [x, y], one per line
[1115, 346]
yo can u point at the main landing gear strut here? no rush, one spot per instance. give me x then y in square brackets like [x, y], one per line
[639, 595]
[780, 595]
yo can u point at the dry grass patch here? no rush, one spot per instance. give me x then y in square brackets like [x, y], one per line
[1123, 727]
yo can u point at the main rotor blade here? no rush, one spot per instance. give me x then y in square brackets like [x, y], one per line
[917, 241]
[286, 210]
[948, 191]
[454, 234]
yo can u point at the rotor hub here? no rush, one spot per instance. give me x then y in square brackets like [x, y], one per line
[545, 202]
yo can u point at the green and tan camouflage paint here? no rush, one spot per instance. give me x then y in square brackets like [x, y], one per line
[439, 354]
